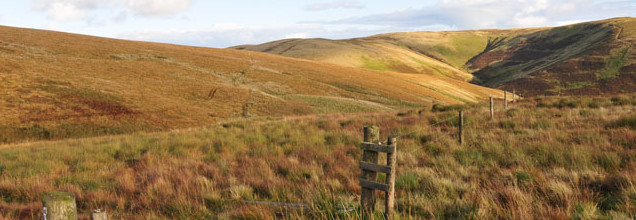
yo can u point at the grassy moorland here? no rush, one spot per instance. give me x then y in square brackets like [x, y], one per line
[543, 158]
[57, 85]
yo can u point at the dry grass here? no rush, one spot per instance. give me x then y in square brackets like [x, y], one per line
[55, 85]
[537, 160]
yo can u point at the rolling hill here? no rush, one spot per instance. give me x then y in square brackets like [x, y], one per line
[439, 53]
[587, 58]
[57, 85]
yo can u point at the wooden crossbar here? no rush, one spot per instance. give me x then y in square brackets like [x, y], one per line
[377, 147]
[375, 167]
[374, 185]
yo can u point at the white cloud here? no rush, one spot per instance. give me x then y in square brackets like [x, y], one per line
[225, 34]
[64, 11]
[473, 14]
[529, 21]
[296, 35]
[348, 4]
[158, 7]
[568, 22]
[121, 17]
[73, 10]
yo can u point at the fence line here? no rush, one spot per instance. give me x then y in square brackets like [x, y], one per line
[462, 124]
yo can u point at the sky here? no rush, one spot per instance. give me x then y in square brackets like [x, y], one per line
[216, 23]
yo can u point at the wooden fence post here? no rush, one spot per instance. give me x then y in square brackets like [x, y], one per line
[368, 197]
[505, 99]
[59, 205]
[246, 110]
[391, 159]
[492, 108]
[461, 125]
[513, 95]
[98, 214]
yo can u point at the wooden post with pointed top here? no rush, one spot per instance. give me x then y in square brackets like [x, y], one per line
[461, 125]
[391, 159]
[492, 108]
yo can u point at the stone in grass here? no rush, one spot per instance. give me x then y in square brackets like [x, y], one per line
[59, 206]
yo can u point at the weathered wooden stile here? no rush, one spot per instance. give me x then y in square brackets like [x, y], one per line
[370, 168]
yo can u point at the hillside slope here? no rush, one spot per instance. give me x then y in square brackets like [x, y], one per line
[57, 85]
[587, 58]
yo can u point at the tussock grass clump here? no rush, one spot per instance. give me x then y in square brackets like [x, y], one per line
[627, 122]
[513, 112]
[444, 108]
[625, 99]
[585, 102]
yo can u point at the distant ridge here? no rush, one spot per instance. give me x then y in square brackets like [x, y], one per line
[595, 57]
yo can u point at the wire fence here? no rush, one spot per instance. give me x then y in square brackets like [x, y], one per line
[438, 137]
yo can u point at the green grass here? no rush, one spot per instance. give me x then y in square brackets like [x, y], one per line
[35, 131]
[464, 47]
[374, 65]
[323, 104]
[615, 63]
[586, 102]
[354, 89]
[577, 85]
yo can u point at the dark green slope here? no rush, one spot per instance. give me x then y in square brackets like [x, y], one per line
[587, 58]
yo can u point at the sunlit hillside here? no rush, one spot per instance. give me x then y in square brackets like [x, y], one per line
[56, 85]
[439, 53]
